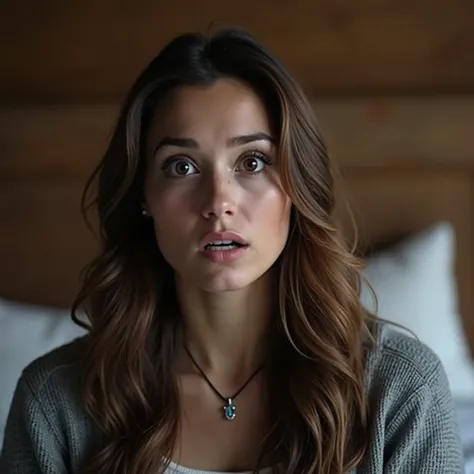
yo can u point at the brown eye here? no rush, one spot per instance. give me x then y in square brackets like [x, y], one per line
[254, 163]
[182, 167]
[179, 167]
[251, 164]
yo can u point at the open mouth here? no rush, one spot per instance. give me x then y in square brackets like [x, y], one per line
[221, 245]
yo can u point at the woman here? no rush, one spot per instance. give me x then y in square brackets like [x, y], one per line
[226, 332]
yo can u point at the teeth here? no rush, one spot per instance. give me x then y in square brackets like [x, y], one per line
[221, 247]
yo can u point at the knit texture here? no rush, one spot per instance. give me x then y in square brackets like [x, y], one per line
[414, 427]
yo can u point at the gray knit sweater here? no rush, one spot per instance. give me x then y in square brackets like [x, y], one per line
[414, 428]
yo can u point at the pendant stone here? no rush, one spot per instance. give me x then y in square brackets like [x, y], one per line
[229, 410]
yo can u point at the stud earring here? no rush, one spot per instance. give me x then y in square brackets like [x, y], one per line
[144, 213]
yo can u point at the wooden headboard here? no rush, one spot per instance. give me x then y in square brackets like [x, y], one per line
[406, 163]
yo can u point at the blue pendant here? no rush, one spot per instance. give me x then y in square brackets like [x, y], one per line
[229, 410]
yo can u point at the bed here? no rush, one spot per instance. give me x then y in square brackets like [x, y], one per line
[414, 216]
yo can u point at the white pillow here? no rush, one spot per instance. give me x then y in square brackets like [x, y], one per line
[27, 332]
[415, 286]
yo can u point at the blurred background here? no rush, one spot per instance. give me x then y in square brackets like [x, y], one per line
[392, 82]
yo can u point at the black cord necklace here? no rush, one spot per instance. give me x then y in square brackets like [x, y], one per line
[229, 407]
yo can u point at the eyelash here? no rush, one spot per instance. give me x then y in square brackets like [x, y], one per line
[253, 154]
[175, 159]
[261, 156]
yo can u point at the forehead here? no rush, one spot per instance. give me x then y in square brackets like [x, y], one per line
[222, 109]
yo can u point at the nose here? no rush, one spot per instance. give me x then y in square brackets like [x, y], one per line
[220, 197]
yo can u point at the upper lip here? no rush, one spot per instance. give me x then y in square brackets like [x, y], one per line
[225, 235]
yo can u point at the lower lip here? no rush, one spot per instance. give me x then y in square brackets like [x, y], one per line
[224, 256]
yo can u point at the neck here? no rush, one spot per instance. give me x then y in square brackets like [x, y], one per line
[227, 332]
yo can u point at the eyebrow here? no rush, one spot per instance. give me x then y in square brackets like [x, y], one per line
[232, 142]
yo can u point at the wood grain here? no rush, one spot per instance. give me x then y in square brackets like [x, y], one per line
[68, 141]
[53, 141]
[384, 132]
[44, 241]
[60, 51]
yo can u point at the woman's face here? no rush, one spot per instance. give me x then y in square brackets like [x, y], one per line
[220, 215]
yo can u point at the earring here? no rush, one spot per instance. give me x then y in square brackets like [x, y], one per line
[144, 213]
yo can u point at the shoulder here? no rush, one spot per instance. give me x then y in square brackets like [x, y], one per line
[414, 426]
[395, 354]
[399, 365]
[49, 395]
[404, 378]
[50, 387]
[59, 369]
[48, 425]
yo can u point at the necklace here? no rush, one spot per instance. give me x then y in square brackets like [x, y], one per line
[229, 407]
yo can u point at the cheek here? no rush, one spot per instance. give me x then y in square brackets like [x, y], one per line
[172, 215]
[271, 210]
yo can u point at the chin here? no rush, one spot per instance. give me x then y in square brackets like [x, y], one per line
[222, 284]
[225, 278]
[221, 279]
[229, 280]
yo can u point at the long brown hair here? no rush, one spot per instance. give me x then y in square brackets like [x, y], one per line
[128, 295]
